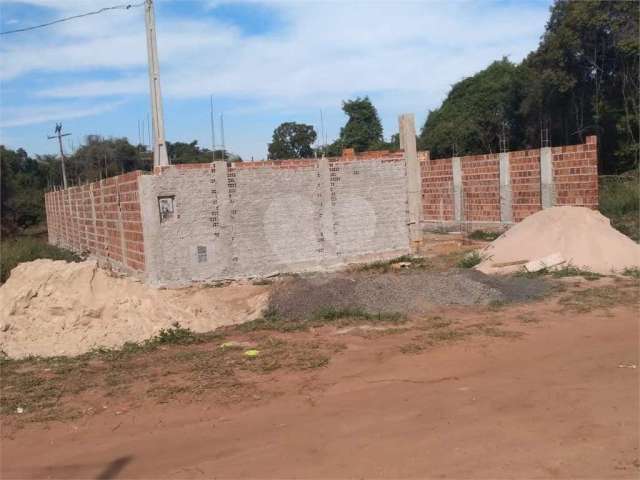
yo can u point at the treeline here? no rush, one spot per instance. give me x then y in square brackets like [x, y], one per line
[582, 80]
[24, 179]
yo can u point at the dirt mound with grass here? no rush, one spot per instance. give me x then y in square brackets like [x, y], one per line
[565, 236]
[54, 308]
[411, 292]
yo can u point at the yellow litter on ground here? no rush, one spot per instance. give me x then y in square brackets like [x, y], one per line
[252, 353]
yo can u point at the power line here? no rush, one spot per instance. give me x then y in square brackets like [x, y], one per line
[125, 6]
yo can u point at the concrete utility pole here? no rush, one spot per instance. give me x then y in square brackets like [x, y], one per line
[59, 136]
[213, 132]
[414, 180]
[160, 157]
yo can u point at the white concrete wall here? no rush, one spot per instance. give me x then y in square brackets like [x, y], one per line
[265, 220]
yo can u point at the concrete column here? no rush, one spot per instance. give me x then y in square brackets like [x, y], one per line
[414, 178]
[506, 214]
[456, 167]
[224, 248]
[327, 227]
[547, 190]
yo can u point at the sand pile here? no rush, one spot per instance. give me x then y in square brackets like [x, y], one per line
[562, 236]
[59, 308]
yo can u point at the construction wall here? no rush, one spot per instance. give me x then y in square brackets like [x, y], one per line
[202, 222]
[246, 219]
[503, 188]
[102, 218]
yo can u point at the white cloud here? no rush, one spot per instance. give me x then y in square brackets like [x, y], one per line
[15, 117]
[327, 50]
[405, 54]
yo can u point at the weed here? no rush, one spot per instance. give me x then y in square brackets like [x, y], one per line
[470, 260]
[632, 272]
[175, 335]
[563, 272]
[484, 235]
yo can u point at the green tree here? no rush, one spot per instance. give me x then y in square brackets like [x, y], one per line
[583, 79]
[475, 113]
[292, 140]
[363, 130]
[23, 180]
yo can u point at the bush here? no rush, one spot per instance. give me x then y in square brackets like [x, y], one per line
[26, 249]
[620, 201]
[470, 260]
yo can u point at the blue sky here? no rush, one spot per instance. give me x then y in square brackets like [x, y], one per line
[265, 62]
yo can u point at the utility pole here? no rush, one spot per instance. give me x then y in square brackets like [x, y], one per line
[59, 135]
[224, 156]
[213, 133]
[160, 157]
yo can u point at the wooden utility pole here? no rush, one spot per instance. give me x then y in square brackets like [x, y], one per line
[59, 135]
[160, 157]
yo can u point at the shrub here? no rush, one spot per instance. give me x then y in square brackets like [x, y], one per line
[470, 260]
[25, 249]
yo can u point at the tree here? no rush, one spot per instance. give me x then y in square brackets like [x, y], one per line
[363, 130]
[23, 180]
[292, 140]
[581, 80]
[474, 113]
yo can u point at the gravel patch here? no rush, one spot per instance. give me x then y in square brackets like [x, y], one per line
[407, 292]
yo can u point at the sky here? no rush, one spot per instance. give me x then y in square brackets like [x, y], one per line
[264, 62]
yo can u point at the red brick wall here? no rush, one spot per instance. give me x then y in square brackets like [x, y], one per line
[524, 167]
[575, 173]
[102, 218]
[481, 188]
[575, 177]
[437, 189]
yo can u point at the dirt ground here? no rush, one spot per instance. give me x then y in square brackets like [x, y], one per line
[547, 389]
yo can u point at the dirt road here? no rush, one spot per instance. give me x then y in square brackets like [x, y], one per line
[560, 401]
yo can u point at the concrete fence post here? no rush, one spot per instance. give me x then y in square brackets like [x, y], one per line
[547, 189]
[327, 231]
[414, 178]
[506, 210]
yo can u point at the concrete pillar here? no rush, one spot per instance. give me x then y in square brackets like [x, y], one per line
[414, 178]
[456, 167]
[547, 190]
[327, 227]
[224, 248]
[506, 214]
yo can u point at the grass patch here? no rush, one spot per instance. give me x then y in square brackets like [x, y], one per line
[25, 249]
[484, 235]
[566, 271]
[177, 363]
[470, 260]
[619, 198]
[271, 319]
[384, 266]
[600, 298]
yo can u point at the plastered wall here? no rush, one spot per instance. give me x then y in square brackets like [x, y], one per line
[247, 219]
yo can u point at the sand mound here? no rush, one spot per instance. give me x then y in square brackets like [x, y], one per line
[59, 308]
[575, 236]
